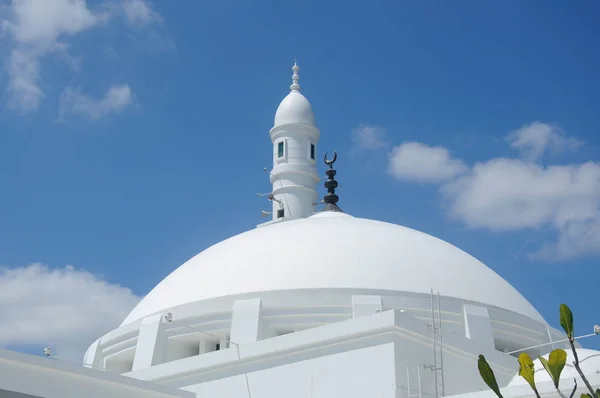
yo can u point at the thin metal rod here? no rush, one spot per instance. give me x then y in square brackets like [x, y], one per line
[419, 379]
[408, 381]
[441, 342]
[433, 342]
[549, 336]
[559, 341]
[202, 331]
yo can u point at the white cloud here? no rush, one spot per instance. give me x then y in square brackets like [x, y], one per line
[64, 308]
[139, 12]
[35, 29]
[368, 137]
[536, 139]
[419, 162]
[511, 194]
[504, 194]
[115, 100]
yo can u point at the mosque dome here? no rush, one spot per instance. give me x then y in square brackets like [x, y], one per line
[294, 108]
[589, 362]
[332, 250]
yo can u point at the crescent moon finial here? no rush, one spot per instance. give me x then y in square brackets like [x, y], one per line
[330, 162]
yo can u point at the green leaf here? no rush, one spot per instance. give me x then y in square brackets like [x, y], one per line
[487, 374]
[526, 369]
[598, 392]
[555, 364]
[586, 396]
[566, 320]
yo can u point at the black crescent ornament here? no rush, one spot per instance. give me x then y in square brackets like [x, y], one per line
[330, 162]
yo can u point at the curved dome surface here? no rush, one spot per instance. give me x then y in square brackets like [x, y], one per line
[294, 108]
[332, 250]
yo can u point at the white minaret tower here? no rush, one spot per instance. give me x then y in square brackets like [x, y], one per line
[294, 137]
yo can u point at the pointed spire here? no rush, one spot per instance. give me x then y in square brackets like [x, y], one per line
[295, 77]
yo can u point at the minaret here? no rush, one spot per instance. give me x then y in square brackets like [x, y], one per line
[294, 137]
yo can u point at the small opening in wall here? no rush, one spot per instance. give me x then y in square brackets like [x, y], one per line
[312, 151]
[280, 213]
[280, 149]
[217, 346]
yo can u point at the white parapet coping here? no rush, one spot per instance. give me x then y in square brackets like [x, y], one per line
[52, 378]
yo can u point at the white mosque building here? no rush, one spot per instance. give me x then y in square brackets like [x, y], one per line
[314, 303]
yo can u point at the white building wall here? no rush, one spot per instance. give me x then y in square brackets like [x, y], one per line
[366, 372]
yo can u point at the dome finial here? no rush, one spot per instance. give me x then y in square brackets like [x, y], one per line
[295, 77]
[331, 199]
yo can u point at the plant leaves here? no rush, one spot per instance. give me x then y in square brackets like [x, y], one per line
[586, 396]
[566, 320]
[598, 392]
[487, 374]
[526, 369]
[555, 364]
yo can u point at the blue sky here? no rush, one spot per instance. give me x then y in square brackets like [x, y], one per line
[133, 135]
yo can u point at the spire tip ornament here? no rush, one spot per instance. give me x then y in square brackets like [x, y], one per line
[295, 77]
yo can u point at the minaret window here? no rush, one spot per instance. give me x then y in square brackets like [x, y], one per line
[280, 213]
[312, 151]
[280, 149]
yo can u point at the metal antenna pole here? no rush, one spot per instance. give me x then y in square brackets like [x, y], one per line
[419, 379]
[433, 344]
[408, 381]
[441, 343]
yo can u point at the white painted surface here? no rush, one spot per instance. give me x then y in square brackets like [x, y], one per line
[367, 372]
[151, 343]
[294, 108]
[328, 251]
[478, 326]
[365, 305]
[49, 378]
[368, 352]
[245, 321]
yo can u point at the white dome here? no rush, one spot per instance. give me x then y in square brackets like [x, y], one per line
[332, 250]
[294, 108]
[589, 361]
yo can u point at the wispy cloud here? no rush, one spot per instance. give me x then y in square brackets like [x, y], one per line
[365, 137]
[503, 194]
[33, 30]
[536, 139]
[115, 100]
[139, 12]
[65, 308]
